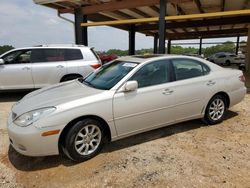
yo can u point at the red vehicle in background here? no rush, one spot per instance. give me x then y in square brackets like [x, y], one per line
[107, 58]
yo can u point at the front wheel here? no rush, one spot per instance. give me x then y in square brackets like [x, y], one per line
[215, 110]
[84, 140]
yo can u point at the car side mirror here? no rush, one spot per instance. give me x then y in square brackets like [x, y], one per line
[130, 86]
[1, 61]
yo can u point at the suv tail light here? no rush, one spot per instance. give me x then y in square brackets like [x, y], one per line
[96, 66]
[242, 78]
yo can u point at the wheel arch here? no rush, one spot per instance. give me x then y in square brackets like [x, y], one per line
[225, 95]
[66, 129]
[71, 74]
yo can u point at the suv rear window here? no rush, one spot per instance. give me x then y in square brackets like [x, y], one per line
[73, 54]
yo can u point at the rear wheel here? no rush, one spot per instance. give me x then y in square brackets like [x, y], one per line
[215, 110]
[84, 140]
[227, 63]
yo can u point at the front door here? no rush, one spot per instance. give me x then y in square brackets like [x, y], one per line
[148, 107]
[15, 73]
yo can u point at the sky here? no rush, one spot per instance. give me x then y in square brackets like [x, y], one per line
[23, 23]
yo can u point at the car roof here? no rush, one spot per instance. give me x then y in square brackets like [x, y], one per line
[53, 46]
[151, 57]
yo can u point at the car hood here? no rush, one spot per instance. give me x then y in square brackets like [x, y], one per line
[53, 96]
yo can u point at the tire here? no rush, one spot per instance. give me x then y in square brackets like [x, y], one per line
[70, 77]
[215, 110]
[227, 63]
[84, 140]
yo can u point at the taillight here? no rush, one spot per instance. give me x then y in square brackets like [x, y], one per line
[242, 78]
[95, 66]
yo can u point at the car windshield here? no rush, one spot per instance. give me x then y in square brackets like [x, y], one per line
[109, 74]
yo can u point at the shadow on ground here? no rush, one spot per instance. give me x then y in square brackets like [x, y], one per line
[13, 96]
[24, 163]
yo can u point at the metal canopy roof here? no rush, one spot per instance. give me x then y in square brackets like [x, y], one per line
[109, 10]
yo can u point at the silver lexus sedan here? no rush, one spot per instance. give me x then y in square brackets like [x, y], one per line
[125, 97]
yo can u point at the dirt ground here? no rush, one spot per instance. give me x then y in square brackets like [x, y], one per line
[189, 154]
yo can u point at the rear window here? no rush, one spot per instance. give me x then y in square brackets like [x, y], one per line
[73, 54]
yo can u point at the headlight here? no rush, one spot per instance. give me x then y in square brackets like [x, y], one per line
[30, 117]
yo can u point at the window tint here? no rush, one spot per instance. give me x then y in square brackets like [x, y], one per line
[221, 56]
[73, 54]
[152, 74]
[37, 55]
[54, 55]
[47, 55]
[187, 68]
[17, 57]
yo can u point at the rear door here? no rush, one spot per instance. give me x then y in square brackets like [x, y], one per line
[48, 66]
[15, 73]
[192, 88]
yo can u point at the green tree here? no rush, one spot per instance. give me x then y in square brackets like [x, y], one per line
[5, 48]
[225, 47]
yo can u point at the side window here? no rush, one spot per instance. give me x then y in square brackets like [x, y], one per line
[37, 56]
[52, 55]
[18, 57]
[73, 54]
[47, 55]
[187, 68]
[206, 69]
[222, 56]
[152, 74]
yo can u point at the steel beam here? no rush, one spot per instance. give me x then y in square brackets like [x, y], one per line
[200, 47]
[162, 27]
[197, 23]
[131, 49]
[81, 33]
[85, 31]
[237, 45]
[155, 44]
[169, 46]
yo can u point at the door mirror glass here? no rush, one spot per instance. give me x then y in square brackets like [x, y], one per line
[1, 61]
[130, 86]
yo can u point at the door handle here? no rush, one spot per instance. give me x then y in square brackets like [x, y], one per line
[26, 68]
[167, 92]
[210, 83]
[59, 66]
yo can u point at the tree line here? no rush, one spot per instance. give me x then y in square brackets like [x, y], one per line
[224, 47]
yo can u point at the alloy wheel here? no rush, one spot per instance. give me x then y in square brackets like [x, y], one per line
[216, 109]
[88, 139]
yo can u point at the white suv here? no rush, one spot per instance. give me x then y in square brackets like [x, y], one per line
[36, 67]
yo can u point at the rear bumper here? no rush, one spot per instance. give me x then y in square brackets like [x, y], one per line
[237, 96]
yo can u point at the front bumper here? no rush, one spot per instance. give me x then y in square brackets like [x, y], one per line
[28, 140]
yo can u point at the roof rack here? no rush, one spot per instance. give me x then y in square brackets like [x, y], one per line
[59, 45]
